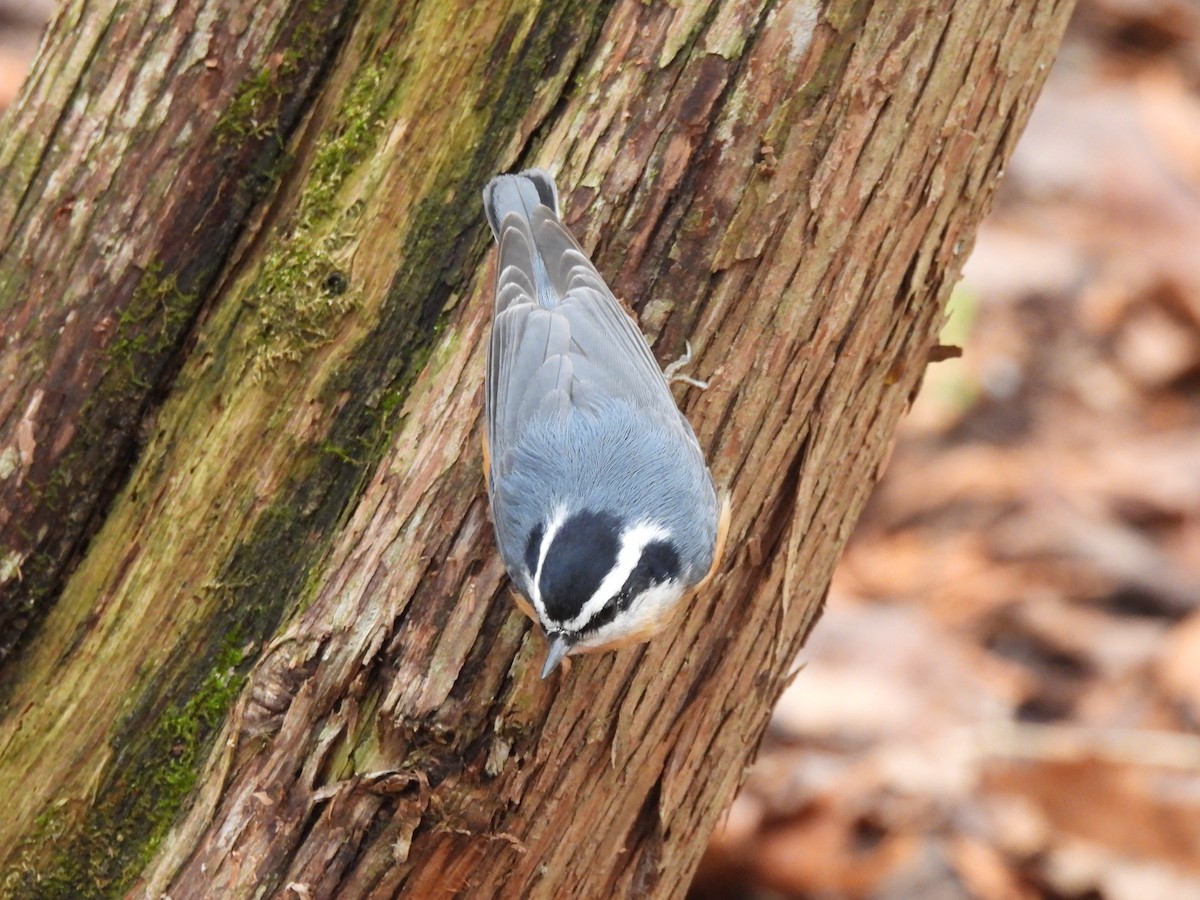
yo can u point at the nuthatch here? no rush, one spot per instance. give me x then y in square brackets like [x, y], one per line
[605, 513]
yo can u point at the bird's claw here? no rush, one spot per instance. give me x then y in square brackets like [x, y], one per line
[672, 374]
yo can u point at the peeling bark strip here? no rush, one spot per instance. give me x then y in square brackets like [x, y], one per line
[144, 138]
[793, 187]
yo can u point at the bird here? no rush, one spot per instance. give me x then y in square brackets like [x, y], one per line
[605, 513]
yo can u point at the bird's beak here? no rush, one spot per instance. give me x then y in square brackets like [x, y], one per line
[559, 647]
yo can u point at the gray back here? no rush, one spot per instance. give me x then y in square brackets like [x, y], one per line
[578, 410]
[621, 460]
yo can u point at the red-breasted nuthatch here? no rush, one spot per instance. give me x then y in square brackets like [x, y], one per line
[605, 513]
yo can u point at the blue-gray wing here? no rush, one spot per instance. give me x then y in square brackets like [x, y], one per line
[611, 357]
[529, 369]
[560, 340]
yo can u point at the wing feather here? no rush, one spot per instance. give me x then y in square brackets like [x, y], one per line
[560, 339]
[529, 370]
[611, 354]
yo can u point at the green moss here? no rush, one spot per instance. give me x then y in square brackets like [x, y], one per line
[250, 112]
[254, 111]
[148, 327]
[185, 728]
[353, 134]
[339, 452]
[301, 293]
[160, 748]
[137, 805]
[145, 335]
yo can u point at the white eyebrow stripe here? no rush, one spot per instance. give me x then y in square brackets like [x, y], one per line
[557, 518]
[633, 542]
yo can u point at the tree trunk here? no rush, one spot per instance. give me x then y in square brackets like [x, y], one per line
[286, 663]
[129, 167]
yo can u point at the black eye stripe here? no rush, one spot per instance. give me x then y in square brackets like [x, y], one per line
[658, 563]
[533, 548]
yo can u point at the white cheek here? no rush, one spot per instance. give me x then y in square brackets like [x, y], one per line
[652, 606]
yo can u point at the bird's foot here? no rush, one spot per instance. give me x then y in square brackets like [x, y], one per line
[672, 374]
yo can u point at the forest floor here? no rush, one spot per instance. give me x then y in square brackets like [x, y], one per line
[1002, 697]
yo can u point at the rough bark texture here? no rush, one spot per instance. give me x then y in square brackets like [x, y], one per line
[286, 664]
[141, 142]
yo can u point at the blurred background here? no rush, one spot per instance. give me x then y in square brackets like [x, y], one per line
[21, 23]
[1002, 698]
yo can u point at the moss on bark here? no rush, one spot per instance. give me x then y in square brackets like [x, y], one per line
[299, 290]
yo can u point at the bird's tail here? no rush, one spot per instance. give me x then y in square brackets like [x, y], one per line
[520, 194]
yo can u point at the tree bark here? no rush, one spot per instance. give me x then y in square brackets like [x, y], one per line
[286, 664]
[142, 142]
